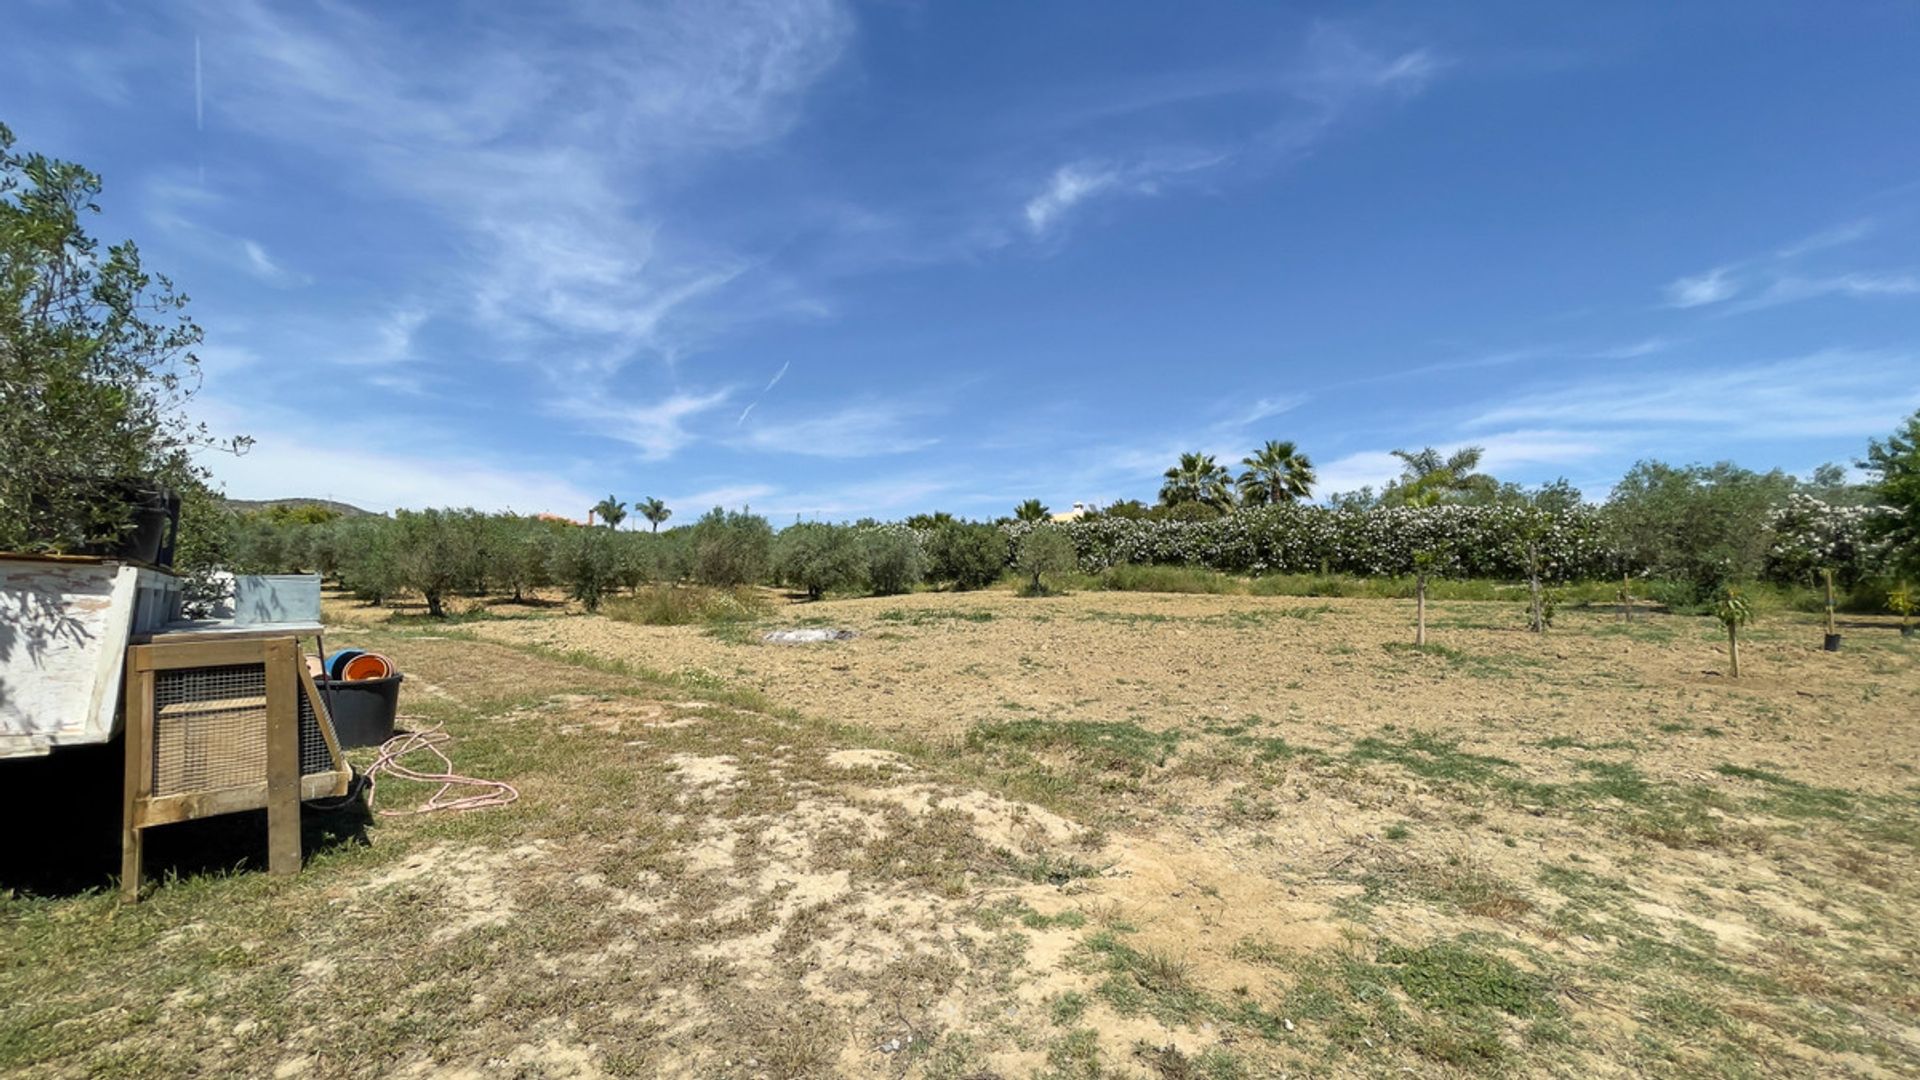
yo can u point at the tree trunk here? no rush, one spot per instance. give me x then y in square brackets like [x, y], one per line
[433, 605]
[1420, 610]
[1733, 649]
[1625, 595]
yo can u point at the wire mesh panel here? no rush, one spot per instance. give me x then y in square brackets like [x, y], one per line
[315, 756]
[209, 728]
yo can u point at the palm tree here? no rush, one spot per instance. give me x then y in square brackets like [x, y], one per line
[1031, 510]
[655, 511]
[611, 510]
[1427, 477]
[1276, 473]
[1198, 478]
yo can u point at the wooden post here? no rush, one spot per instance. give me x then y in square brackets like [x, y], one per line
[138, 784]
[1420, 609]
[1828, 574]
[1733, 649]
[283, 757]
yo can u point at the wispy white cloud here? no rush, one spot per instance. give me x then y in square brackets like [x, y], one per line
[375, 466]
[658, 429]
[1837, 236]
[1701, 289]
[1068, 187]
[185, 212]
[1776, 279]
[1838, 392]
[1787, 290]
[573, 264]
[864, 430]
[1335, 73]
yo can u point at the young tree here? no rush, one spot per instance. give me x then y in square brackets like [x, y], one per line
[968, 554]
[1198, 478]
[818, 558]
[1707, 525]
[1044, 553]
[1032, 510]
[1895, 467]
[1733, 611]
[731, 548]
[438, 552]
[895, 560]
[655, 511]
[1276, 473]
[585, 559]
[96, 367]
[611, 511]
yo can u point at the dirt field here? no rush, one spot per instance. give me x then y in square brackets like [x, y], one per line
[1094, 835]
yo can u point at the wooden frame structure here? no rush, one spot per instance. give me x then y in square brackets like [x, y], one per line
[214, 755]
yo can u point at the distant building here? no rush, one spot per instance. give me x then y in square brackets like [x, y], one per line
[1079, 511]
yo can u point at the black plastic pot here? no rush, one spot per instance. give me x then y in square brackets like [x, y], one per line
[153, 520]
[1906, 631]
[156, 527]
[362, 709]
[1832, 643]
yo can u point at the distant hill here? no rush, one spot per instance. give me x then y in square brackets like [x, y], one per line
[250, 505]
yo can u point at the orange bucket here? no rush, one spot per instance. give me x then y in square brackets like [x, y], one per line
[367, 666]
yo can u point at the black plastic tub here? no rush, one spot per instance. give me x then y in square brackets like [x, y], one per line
[362, 709]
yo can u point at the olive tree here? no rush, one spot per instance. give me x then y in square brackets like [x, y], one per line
[96, 366]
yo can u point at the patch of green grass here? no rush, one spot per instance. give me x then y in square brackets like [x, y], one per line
[1074, 1056]
[1399, 830]
[1067, 1007]
[1435, 758]
[1170, 1063]
[1787, 797]
[1113, 746]
[1048, 868]
[1474, 665]
[1455, 976]
[927, 616]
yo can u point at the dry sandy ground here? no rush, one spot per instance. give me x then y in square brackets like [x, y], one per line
[924, 667]
[1127, 834]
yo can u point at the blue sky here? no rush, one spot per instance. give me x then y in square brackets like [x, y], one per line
[832, 260]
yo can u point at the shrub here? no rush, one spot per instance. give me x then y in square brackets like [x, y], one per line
[895, 560]
[1045, 553]
[731, 548]
[819, 558]
[586, 562]
[1128, 577]
[969, 555]
[680, 605]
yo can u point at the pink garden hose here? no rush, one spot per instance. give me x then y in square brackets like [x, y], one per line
[492, 793]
